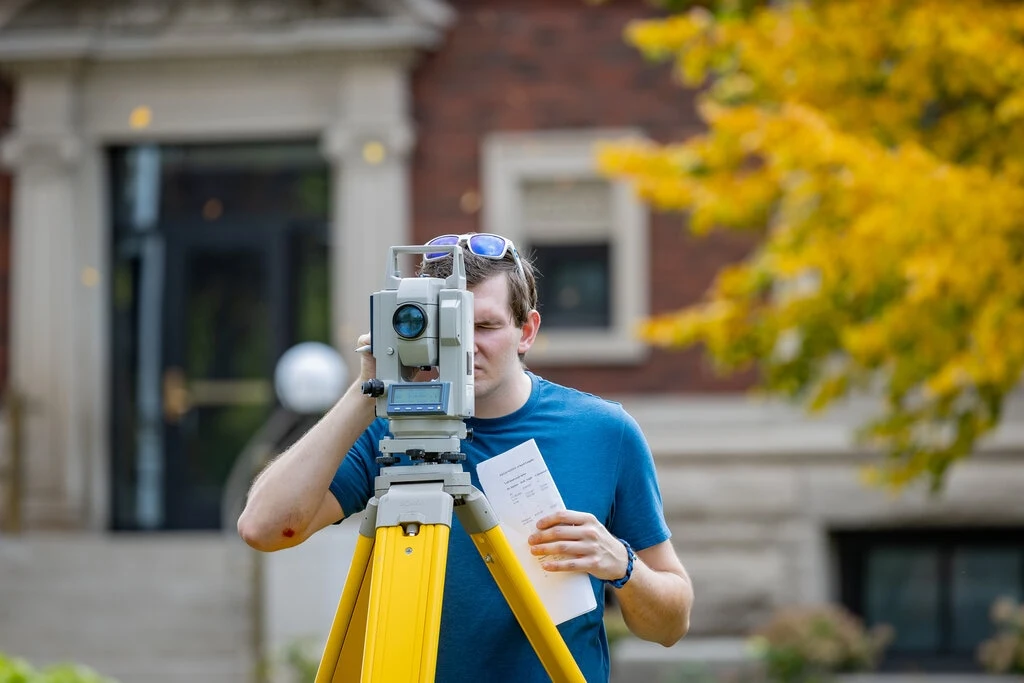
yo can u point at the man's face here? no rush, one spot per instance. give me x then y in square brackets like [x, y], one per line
[497, 340]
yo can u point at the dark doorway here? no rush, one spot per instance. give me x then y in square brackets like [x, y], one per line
[220, 265]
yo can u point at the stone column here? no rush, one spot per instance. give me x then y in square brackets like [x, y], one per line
[368, 144]
[43, 153]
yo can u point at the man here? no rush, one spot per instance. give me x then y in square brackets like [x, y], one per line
[594, 450]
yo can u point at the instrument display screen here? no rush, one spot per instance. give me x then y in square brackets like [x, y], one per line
[416, 394]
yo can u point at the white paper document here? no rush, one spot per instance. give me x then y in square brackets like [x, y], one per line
[521, 491]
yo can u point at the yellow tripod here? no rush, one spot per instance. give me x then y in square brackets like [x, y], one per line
[388, 619]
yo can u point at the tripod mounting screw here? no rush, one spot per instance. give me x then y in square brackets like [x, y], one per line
[373, 387]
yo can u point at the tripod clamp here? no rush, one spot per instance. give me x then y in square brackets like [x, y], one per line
[418, 455]
[400, 494]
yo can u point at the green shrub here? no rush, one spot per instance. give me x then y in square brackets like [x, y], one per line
[1004, 653]
[15, 670]
[302, 659]
[809, 644]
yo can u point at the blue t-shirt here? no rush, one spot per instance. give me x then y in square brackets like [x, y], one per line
[600, 463]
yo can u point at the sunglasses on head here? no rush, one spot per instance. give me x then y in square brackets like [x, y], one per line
[482, 244]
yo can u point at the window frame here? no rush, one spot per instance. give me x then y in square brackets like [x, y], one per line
[512, 159]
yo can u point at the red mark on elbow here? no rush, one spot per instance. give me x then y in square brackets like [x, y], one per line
[288, 533]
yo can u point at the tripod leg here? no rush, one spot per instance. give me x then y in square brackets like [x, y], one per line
[351, 662]
[490, 541]
[406, 592]
[344, 642]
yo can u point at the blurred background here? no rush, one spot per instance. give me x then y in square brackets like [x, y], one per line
[193, 187]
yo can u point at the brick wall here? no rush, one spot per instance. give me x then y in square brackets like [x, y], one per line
[517, 65]
[5, 242]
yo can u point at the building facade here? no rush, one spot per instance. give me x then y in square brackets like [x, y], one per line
[194, 187]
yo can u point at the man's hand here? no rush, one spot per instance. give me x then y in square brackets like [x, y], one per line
[577, 542]
[656, 601]
[367, 363]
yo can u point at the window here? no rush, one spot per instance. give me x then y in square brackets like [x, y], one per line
[576, 292]
[934, 587]
[586, 234]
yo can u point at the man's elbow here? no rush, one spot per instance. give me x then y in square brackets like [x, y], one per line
[257, 534]
[682, 628]
[682, 625]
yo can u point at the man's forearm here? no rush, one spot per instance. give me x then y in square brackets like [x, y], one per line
[656, 604]
[284, 499]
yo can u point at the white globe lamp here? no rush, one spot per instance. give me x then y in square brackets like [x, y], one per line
[310, 377]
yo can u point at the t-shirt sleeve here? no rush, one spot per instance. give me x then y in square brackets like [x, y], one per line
[352, 484]
[638, 515]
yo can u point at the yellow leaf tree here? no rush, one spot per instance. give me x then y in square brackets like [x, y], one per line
[877, 146]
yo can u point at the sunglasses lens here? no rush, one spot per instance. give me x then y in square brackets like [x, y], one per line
[491, 246]
[441, 241]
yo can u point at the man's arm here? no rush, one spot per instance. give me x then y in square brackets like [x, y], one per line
[290, 500]
[657, 599]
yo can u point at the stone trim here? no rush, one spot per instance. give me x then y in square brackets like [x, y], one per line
[688, 426]
[350, 36]
[404, 24]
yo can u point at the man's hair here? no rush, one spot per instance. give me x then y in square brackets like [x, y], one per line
[522, 291]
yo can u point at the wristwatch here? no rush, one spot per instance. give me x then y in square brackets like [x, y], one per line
[630, 558]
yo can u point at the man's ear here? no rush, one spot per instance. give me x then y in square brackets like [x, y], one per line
[530, 329]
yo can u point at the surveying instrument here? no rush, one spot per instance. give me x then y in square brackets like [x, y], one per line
[386, 628]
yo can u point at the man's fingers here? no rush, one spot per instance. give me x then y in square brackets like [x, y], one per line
[568, 517]
[558, 548]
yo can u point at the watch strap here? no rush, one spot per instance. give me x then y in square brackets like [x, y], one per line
[630, 557]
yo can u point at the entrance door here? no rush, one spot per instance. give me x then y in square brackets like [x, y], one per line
[221, 260]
